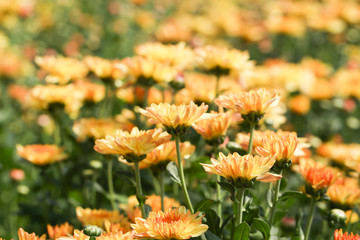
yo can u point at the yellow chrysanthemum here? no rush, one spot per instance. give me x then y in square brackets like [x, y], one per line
[248, 103]
[172, 224]
[136, 143]
[241, 171]
[97, 217]
[343, 194]
[176, 119]
[61, 69]
[27, 236]
[57, 231]
[93, 92]
[117, 236]
[41, 154]
[114, 227]
[102, 68]
[212, 129]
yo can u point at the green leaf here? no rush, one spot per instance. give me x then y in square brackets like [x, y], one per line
[261, 226]
[213, 221]
[173, 171]
[210, 236]
[204, 205]
[291, 194]
[227, 186]
[242, 232]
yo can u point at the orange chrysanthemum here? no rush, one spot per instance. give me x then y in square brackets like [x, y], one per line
[344, 192]
[62, 69]
[241, 171]
[252, 102]
[98, 128]
[176, 119]
[27, 236]
[136, 143]
[102, 68]
[174, 223]
[41, 154]
[117, 236]
[97, 216]
[114, 227]
[339, 235]
[93, 92]
[60, 230]
[132, 207]
[212, 129]
[78, 235]
[317, 176]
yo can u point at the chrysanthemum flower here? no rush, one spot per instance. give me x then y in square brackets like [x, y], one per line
[132, 210]
[174, 223]
[57, 231]
[78, 235]
[114, 227]
[61, 69]
[242, 171]
[93, 92]
[97, 217]
[98, 128]
[176, 119]
[317, 176]
[117, 236]
[136, 143]
[102, 68]
[214, 128]
[344, 195]
[252, 105]
[41, 154]
[27, 236]
[339, 235]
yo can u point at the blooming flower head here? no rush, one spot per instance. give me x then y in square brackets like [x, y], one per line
[41, 154]
[115, 227]
[59, 230]
[214, 128]
[102, 68]
[174, 223]
[176, 119]
[93, 92]
[252, 105]
[242, 171]
[339, 235]
[97, 217]
[344, 193]
[61, 69]
[27, 236]
[98, 128]
[132, 207]
[317, 176]
[282, 147]
[136, 143]
[117, 236]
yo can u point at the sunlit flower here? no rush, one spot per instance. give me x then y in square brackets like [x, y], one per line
[92, 92]
[176, 119]
[97, 217]
[299, 104]
[78, 235]
[172, 224]
[283, 147]
[117, 236]
[351, 216]
[242, 171]
[132, 207]
[223, 61]
[317, 176]
[136, 143]
[114, 227]
[249, 103]
[102, 68]
[98, 128]
[343, 195]
[61, 69]
[41, 154]
[339, 235]
[27, 236]
[57, 231]
[214, 128]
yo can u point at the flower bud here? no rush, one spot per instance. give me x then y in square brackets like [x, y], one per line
[92, 231]
[336, 218]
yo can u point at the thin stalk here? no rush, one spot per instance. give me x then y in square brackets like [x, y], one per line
[275, 201]
[162, 190]
[311, 217]
[218, 188]
[217, 86]
[138, 188]
[349, 220]
[252, 128]
[240, 205]
[181, 175]
[110, 183]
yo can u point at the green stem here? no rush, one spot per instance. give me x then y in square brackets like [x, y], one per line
[219, 198]
[162, 191]
[275, 200]
[252, 128]
[349, 222]
[311, 217]
[110, 183]
[240, 205]
[217, 86]
[181, 175]
[139, 189]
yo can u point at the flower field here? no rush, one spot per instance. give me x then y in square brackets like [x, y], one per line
[182, 119]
